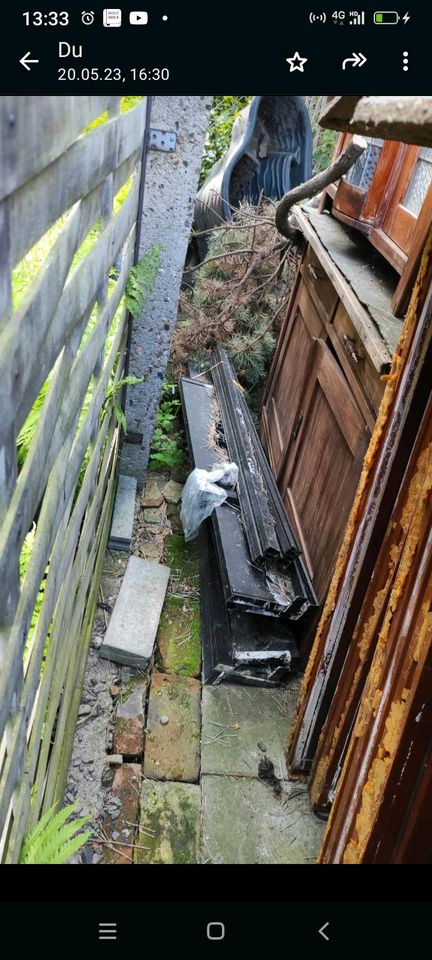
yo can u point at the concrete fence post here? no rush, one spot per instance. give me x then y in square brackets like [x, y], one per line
[171, 183]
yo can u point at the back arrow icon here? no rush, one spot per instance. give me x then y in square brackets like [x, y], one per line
[321, 930]
[25, 61]
[357, 60]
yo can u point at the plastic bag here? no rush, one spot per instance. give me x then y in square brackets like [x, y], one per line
[201, 494]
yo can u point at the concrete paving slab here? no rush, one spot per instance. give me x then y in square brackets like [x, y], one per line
[172, 744]
[236, 719]
[132, 629]
[243, 822]
[123, 515]
[170, 823]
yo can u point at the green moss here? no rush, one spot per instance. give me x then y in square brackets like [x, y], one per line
[182, 557]
[128, 686]
[179, 637]
[170, 824]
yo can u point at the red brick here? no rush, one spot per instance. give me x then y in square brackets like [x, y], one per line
[129, 723]
[126, 788]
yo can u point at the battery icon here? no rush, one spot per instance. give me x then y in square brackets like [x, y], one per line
[386, 17]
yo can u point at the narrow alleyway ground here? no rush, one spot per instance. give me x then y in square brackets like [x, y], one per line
[172, 772]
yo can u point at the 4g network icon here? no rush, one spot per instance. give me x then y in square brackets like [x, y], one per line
[356, 18]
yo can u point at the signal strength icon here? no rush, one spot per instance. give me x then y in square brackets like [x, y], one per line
[317, 17]
[356, 19]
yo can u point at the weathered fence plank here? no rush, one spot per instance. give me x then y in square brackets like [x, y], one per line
[61, 484]
[64, 400]
[71, 328]
[79, 295]
[49, 125]
[85, 165]
[58, 657]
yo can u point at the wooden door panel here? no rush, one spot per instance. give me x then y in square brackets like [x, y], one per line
[280, 412]
[324, 468]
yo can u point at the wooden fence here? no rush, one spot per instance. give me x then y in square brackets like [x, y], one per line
[63, 341]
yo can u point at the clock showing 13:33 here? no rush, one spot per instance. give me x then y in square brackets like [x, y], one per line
[36, 18]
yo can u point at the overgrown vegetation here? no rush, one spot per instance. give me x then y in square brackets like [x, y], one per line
[113, 393]
[324, 141]
[222, 116]
[238, 297]
[23, 564]
[167, 443]
[141, 280]
[323, 149]
[53, 840]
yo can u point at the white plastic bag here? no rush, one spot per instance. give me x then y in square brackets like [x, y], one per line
[201, 494]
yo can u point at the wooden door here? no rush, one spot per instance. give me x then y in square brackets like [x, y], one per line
[323, 466]
[289, 377]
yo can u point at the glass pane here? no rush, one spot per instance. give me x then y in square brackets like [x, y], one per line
[362, 171]
[419, 183]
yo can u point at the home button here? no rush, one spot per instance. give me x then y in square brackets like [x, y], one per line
[215, 930]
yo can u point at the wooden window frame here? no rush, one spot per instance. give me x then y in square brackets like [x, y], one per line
[395, 226]
[380, 214]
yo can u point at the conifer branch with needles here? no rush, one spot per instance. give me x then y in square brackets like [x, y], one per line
[237, 296]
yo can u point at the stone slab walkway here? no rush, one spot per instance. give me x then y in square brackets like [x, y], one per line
[170, 823]
[244, 820]
[236, 719]
[172, 748]
[168, 769]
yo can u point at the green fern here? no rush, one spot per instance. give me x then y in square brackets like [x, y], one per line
[141, 280]
[53, 840]
[112, 393]
[28, 429]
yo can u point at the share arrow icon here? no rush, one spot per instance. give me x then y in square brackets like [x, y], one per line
[357, 60]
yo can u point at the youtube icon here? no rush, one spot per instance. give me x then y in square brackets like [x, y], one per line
[138, 18]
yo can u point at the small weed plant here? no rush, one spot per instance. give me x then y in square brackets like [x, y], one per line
[166, 446]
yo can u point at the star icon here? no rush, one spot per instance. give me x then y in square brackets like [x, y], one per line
[296, 62]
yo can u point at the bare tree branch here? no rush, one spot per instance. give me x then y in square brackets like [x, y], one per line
[314, 186]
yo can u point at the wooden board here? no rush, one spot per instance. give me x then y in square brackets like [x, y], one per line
[407, 396]
[68, 332]
[365, 292]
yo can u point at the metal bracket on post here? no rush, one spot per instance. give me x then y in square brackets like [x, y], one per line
[164, 140]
